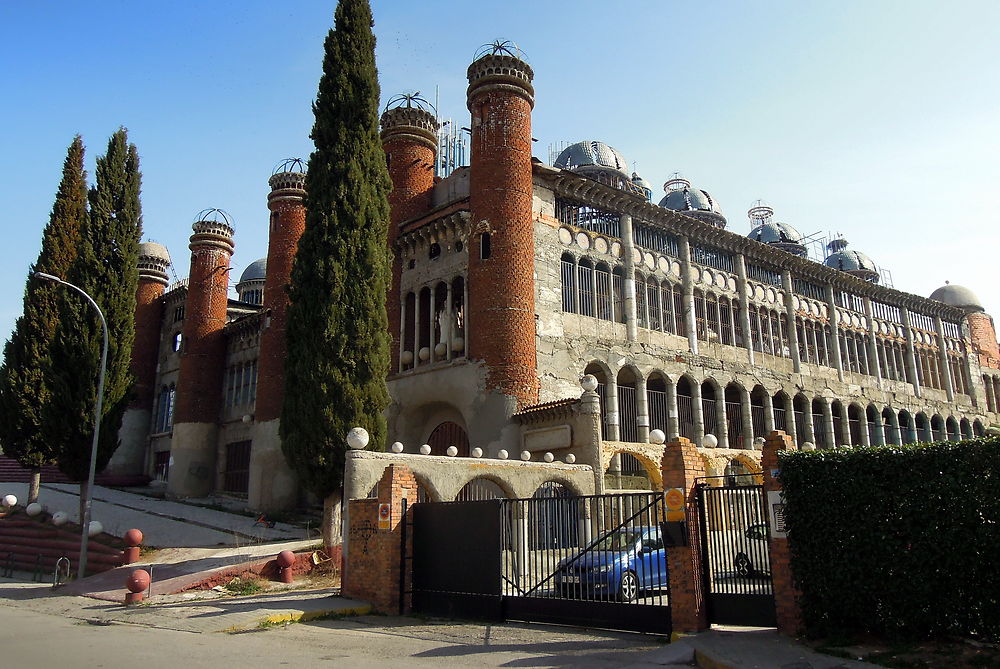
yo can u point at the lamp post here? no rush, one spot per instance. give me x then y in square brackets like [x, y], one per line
[85, 520]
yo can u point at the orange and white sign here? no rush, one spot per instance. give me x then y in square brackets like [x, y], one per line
[674, 498]
[383, 516]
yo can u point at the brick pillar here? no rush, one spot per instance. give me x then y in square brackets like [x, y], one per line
[203, 357]
[409, 139]
[129, 458]
[502, 244]
[372, 566]
[272, 484]
[786, 593]
[681, 466]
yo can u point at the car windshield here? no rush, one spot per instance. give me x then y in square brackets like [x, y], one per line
[618, 541]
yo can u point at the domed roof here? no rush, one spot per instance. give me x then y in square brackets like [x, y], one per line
[591, 153]
[154, 251]
[851, 261]
[641, 183]
[255, 271]
[774, 232]
[957, 296]
[682, 196]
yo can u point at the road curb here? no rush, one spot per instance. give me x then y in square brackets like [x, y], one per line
[705, 661]
[298, 617]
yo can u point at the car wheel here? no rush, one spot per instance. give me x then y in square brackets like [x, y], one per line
[629, 587]
[743, 565]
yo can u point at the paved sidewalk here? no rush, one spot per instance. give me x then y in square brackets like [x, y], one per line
[163, 522]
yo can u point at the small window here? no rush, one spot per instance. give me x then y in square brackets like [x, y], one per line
[435, 251]
[485, 246]
[176, 343]
[412, 263]
[459, 246]
[179, 313]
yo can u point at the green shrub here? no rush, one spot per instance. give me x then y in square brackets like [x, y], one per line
[893, 540]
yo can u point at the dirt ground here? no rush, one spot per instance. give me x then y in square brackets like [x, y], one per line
[935, 654]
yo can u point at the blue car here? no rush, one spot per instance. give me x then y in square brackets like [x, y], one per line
[618, 567]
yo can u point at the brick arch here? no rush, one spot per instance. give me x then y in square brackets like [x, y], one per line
[603, 366]
[649, 457]
[449, 433]
[572, 488]
[504, 486]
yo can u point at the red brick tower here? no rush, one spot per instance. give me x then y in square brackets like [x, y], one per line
[409, 137]
[984, 338]
[272, 483]
[501, 244]
[153, 263]
[203, 356]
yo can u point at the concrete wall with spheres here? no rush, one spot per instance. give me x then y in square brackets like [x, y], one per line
[443, 477]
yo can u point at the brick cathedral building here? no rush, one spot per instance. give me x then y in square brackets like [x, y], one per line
[512, 278]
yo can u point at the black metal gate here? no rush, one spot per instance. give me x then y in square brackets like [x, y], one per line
[596, 560]
[735, 558]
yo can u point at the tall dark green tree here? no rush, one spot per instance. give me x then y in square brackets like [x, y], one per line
[337, 333]
[106, 269]
[24, 381]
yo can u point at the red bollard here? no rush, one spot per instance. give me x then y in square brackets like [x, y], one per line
[137, 583]
[132, 540]
[285, 560]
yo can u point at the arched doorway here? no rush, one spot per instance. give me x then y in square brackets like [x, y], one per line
[449, 434]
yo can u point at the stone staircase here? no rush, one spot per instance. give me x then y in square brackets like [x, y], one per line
[12, 472]
[31, 545]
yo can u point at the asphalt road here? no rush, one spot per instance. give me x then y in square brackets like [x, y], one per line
[39, 640]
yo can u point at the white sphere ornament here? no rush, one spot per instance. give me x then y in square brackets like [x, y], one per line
[397, 447]
[357, 438]
[570, 459]
[588, 382]
[424, 353]
[440, 349]
[60, 518]
[502, 454]
[425, 449]
[709, 441]
[525, 455]
[808, 446]
[10, 500]
[758, 443]
[657, 437]
[94, 528]
[451, 451]
[406, 357]
[548, 457]
[33, 509]
[477, 452]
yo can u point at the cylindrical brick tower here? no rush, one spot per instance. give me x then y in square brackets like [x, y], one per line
[501, 245]
[154, 260]
[203, 357]
[409, 137]
[272, 482]
[984, 335]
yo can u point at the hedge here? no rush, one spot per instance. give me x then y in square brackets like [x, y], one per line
[897, 540]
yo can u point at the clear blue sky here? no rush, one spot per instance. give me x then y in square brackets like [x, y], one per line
[879, 120]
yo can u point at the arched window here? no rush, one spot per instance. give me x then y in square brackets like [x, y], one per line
[782, 421]
[907, 431]
[618, 292]
[708, 409]
[671, 317]
[952, 426]
[820, 436]
[653, 304]
[872, 416]
[685, 408]
[627, 415]
[449, 434]
[966, 429]
[734, 417]
[479, 489]
[458, 316]
[552, 519]
[711, 317]
[699, 315]
[657, 404]
[485, 246]
[626, 472]
[855, 418]
[603, 283]
[890, 427]
[800, 406]
[757, 396]
[567, 275]
[641, 312]
[585, 281]
[726, 321]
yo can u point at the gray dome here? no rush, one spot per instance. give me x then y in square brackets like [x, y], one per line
[779, 235]
[591, 154]
[154, 251]
[958, 296]
[682, 196]
[850, 261]
[255, 271]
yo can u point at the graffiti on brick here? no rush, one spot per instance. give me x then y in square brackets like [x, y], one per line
[363, 532]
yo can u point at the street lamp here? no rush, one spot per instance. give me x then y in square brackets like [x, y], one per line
[85, 521]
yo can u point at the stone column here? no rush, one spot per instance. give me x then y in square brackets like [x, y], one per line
[741, 290]
[864, 428]
[911, 358]
[721, 419]
[687, 285]
[790, 426]
[681, 466]
[641, 411]
[590, 405]
[873, 366]
[611, 421]
[810, 428]
[834, 344]
[673, 420]
[831, 434]
[949, 386]
[879, 431]
[793, 333]
[769, 414]
[697, 416]
[786, 591]
[628, 299]
[844, 438]
[746, 413]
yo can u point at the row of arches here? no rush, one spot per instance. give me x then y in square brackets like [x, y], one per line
[632, 405]
[991, 388]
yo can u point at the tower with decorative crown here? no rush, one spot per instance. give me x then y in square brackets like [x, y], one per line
[501, 242]
[194, 446]
[154, 260]
[272, 483]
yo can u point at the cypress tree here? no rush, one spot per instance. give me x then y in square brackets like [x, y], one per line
[106, 269]
[337, 338]
[24, 381]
